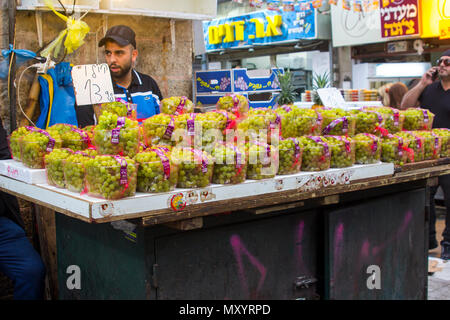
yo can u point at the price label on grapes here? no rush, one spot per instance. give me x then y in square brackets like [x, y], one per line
[331, 98]
[92, 84]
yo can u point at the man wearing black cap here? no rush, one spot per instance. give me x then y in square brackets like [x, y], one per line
[129, 85]
[435, 96]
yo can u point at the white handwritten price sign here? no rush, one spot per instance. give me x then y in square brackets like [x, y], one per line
[331, 98]
[92, 84]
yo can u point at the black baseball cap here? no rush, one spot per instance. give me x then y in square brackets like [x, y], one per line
[121, 34]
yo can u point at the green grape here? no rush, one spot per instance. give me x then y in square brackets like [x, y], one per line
[290, 156]
[173, 106]
[342, 151]
[128, 144]
[444, 133]
[255, 127]
[157, 131]
[393, 119]
[34, 146]
[315, 157]
[338, 116]
[14, 141]
[366, 122]
[120, 109]
[237, 104]
[230, 165]
[195, 167]
[415, 119]
[391, 152]
[296, 122]
[103, 177]
[432, 144]
[151, 176]
[263, 161]
[75, 140]
[54, 166]
[415, 143]
[367, 149]
[75, 171]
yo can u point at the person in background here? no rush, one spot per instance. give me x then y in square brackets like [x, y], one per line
[396, 93]
[18, 259]
[433, 92]
[383, 94]
[129, 85]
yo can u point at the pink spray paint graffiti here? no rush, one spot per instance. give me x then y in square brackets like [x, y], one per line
[239, 250]
[338, 248]
[301, 267]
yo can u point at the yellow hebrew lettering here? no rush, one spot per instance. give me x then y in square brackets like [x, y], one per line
[213, 33]
[410, 25]
[239, 30]
[259, 26]
[273, 27]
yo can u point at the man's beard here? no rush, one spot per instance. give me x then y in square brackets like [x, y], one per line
[122, 72]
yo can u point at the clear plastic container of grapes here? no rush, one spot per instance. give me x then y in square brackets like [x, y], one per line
[263, 161]
[338, 125]
[120, 108]
[195, 167]
[14, 141]
[393, 119]
[316, 154]
[392, 150]
[176, 105]
[160, 175]
[76, 140]
[75, 172]
[34, 147]
[114, 181]
[342, 151]
[367, 121]
[158, 129]
[416, 143]
[432, 144]
[234, 103]
[54, 166]
[444, 133]
[121, 141]
[417, 119]
[367, 148]
[290, 156]
[230, 165]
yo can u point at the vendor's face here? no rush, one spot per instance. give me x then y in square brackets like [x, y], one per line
[119, 59]
[444, 69]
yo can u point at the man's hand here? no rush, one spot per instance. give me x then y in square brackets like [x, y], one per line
[428, 77]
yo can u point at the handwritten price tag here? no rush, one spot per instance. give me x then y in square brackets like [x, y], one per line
[92, 84]
[331, 98]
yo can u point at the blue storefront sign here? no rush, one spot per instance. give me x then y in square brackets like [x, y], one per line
[259, 28]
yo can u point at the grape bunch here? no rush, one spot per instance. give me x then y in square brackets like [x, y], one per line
[316, 154]
[75, 171]
[213, 125]
[35, 145]
[296, 122]
[290, 156]
[392, 118]
[176, 105]
[54, 162]
[195, 167]
[392, 151]
[432, 144]
[417, 119]
[338, 122]
[342, 151]
[366, 122]
[263, 161]
[14, 141]
[126, 143]
[444, 133]
[367, 148]
[230, 165]
[254, 127]
[158, 129]
[156, 172]
[121, 109]
[415, 143]
[185, 129]
[107, 178]
[237, 104]
[75, 139]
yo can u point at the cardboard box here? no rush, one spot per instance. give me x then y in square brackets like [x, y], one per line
[255, 80]
[17, 170]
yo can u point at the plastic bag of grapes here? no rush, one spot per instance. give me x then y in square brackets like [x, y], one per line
[230, 165]
[54, 166]
[417, 119]
[74, 168]
[367, 148]
[263, 160]
[35, 145]
[432, 144]
[76, 139]
[367, 121]
[14, 141]
[290, 156]
[195, 167]
[392, 118]
[116, 135]
[156, 172]
[316, 153]
[342, 151]
[111, 177]
[444, 133]
[392, 150]
[234, 103]
[158, 129]
[120, 108]
[296, 122]
[416, 143]
[176, 105]
[254, 127]
[337, 122]
[212, 128]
